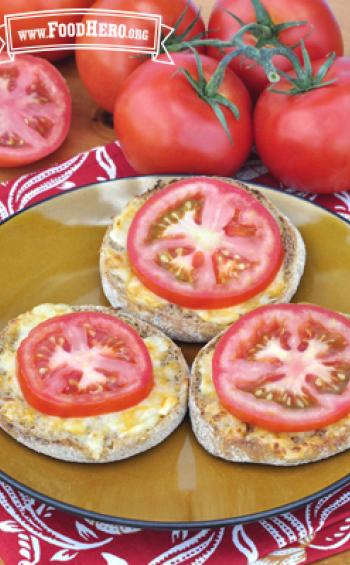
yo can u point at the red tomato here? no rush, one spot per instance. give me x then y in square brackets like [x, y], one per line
[204, 243]
[302, 138]
[321, 34]
[104, 72]
[285, 367]
[83, 364]
[35, 110]
[22, 6]
[165, 127]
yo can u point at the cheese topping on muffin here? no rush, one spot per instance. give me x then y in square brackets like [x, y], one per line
[90, 432]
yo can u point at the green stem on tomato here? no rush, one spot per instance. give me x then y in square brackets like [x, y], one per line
[178, 39]
[263, 29]
[305, 79]
[208, 90]
[233, 42]
[267, 32]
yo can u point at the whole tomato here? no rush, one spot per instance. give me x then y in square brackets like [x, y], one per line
[104, 72]
[165, 126]
[321, 34]
[22, 6]
[303, 138]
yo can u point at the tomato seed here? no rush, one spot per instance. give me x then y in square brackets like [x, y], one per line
[10, 139]
[39, 92]
[40, 124]
[164, 258]
[73, 382]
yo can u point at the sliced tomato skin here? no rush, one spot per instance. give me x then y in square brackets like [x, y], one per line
[267, 414]
[15, 107]
[83, 404]
[186, 297]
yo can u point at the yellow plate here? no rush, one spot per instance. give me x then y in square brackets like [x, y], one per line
[50, 254]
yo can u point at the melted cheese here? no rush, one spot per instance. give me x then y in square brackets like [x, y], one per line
[205, 367]
[231, 314]
[139, 294]
[118, 264]
[90, 432]
[121, 223]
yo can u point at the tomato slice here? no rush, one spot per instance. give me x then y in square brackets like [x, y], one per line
[203, 243]
[83, 364]
[35, 110]
[285, 367]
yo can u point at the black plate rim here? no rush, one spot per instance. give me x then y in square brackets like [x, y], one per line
[169, 525]
[165, 525]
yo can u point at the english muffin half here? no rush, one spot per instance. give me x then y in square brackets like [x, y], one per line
[57, 363]
[275, 387]
[233, 234]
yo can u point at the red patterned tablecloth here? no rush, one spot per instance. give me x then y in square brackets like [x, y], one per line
[33, 533]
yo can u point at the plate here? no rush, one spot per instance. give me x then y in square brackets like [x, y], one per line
[49, 253]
